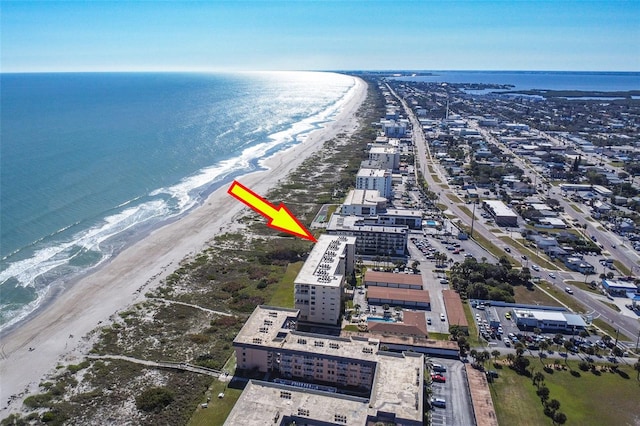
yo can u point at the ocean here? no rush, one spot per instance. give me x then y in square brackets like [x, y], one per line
[91, 161]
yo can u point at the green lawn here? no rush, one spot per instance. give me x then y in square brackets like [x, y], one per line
[583, 286]
[473, 330]
[565, 298]
[533, 297]
[609, 329]
[623, 269]
[283, 296]
[219, 408]
[587, 399]
[576, 208]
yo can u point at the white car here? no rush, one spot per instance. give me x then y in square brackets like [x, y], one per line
[552, 276]
[442, 317]
[535, 267]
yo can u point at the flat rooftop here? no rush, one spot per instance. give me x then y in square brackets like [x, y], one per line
[372, 173]
[322, 267]
[364, 197]
[391, 278]
[401, 294]
[397, 389]
[272, 327]
[355, 223]
[454, 308]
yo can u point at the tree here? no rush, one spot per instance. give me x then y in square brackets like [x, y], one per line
[636, 367]
[415, 265]
[559, 418]
[496, 354]
[538, 378]
[543, 345]
[474, 355]
[554, 404]
[567, 346]
[511, 358]
[543, 393]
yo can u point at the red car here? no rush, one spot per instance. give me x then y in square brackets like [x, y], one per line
[438, 378]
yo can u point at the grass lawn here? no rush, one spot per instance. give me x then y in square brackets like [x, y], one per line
[439, 336]
[533, 297]
[587, 399]
[565, 298]
[623, 269]
[609, 329]
[583, 286]
[283, 296]
[533, 257]
[219, 408]
[466, 211]
[576, 208]
[472, 338]
[454, 198]
[611, 305]
[436, 179]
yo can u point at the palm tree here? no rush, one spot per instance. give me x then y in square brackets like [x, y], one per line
[511, 357]
[496, 353]
[636, 367]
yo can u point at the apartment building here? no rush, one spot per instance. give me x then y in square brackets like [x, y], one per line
[318, 378]
[319, 286]
[372, 239]
[375, 179]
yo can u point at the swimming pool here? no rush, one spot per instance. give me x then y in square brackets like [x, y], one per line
[378, 319]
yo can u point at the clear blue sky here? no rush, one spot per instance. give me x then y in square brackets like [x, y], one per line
[320, 35]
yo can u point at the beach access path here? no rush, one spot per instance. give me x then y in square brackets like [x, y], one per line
[60, 333]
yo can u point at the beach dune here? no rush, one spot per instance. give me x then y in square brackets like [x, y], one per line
[60, 332]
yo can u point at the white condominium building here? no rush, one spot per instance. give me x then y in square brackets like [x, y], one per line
[319, 286]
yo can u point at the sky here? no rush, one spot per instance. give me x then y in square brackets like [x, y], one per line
[584, 35]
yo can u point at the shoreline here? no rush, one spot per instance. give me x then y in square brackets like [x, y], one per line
[61, 331]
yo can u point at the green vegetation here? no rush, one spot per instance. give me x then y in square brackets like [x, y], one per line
[624, 270]
[611, 305]
[283, 296]
[154, 399]
[576, 208]
[218, 408]
[472, 338]
[518, 401]
[610, 330]
[475, 280]
[563, 297]
[533, 295]
[584, 286]
[439, 336]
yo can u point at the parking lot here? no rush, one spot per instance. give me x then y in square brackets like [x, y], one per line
[454, 391]
[511, 334]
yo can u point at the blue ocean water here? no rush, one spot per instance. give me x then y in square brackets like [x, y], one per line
[539, 80]
[89, 160]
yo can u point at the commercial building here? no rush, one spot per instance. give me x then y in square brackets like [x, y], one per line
[371, 239]
[404, 297]
[388, 279]
[502, 214]
[619, 288]
[579, 265]
[375, 179]
[414, 324]
[548, 321]
[319, 286]
[322, 379]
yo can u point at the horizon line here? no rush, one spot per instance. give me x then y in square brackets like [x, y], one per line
[380, 70]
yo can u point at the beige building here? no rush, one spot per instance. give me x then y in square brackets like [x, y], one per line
[319, 286]
[319, 379]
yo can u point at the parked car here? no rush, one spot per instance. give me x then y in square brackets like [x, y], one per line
[438, 402]
[438, 378]
[442, 318]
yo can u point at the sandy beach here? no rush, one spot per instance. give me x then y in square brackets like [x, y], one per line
[60, 333]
